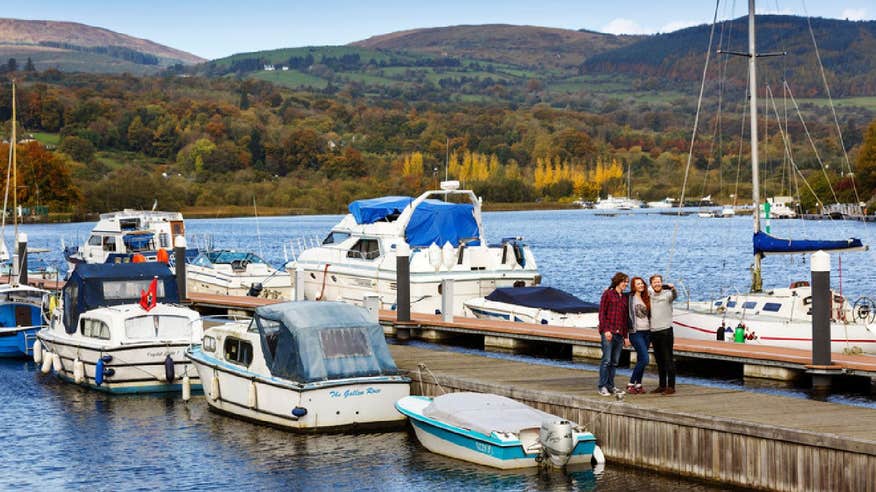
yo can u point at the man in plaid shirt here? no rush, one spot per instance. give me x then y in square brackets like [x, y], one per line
[613, 326]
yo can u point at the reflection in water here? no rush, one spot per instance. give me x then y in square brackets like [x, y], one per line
[61, 436]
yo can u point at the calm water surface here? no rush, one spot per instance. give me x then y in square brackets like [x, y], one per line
[58, 436]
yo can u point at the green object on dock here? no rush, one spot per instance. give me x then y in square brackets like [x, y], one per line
[739, 333]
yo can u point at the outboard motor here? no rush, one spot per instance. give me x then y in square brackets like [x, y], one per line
[255, 289]
[556, 441]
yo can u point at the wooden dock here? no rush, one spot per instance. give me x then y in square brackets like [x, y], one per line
[759, 361]
[729, 436]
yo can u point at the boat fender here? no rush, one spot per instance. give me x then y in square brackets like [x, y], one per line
[98, 371]
[37, 352]
[719, 333]
[47, 362]
[106, 358]
[56, 363]
[299, 412]
[214, 387]
[169, 373]
[252, 401]
[186, 388]
[598, 456]
[78, 371]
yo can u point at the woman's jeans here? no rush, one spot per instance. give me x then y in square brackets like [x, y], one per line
[611, 351]
[640, 341]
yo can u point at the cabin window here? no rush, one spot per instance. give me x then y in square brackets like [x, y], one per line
[344, 342]
[94, 328]
[335, 237]
[238, 351]
[164, 240]
[731, 304]
[749, 304]
[271, 331]
[129, 289]
[109, 243]
[365, 249]
[161, 327]
[95, 241]
[209, 344]
[772, 307]
[718, 303]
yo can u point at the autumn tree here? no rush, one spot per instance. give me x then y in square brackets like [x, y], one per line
[866, 163]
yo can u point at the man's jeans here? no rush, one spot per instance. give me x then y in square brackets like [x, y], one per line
[611, 351]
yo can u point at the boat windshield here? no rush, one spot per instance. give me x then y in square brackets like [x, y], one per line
[230, 257]
[157, 326]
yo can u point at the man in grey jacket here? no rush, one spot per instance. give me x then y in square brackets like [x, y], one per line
[662, 337]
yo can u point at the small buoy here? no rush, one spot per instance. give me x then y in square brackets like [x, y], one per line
[56, 363]
[37, 352]
[47, 362]
[253, 396]
[98, 372]
[598, 457]
[214, 387]
[169, 372]
[78, 371]
[186, 388]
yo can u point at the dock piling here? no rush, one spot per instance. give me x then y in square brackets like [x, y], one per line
[179, 258]
[403, 281]
[820, 268]
[447, 300]
[22, 258]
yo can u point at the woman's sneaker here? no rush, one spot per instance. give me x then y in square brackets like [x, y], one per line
[617, 391]
[604, 392]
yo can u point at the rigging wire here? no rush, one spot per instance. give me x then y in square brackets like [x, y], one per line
[693, 134]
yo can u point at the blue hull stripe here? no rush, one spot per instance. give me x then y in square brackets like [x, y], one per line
[154, 388]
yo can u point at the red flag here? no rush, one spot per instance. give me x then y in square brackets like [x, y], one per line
[148, 299]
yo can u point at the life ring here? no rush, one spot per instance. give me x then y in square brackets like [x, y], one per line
[799, 283]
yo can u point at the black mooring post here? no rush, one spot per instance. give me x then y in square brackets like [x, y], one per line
[22, 258]
[820, 268]
[179, 260]
[403, 283]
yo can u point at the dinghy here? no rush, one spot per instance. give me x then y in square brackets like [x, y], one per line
[496, 431]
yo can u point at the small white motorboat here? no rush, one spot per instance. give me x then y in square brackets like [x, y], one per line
[538, 305]
[118, 329]
[496, 431]
[237, 273]
[308, 366]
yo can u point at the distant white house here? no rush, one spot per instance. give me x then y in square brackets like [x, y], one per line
[269, 68]
[285, 68]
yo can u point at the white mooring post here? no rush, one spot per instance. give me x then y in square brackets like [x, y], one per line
[447, 300]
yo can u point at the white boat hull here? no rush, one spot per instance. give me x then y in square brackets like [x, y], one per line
[356, 403]
[482, 308]
[137, 368]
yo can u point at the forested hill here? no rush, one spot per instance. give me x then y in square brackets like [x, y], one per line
[528, 46]
[70, 46]
[847, 49]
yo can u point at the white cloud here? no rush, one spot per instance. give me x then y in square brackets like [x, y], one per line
[854, 14]
[623, 26]
[676, 25]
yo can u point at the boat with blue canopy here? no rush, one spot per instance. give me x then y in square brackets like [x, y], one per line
[120, 329]
[442, 233]
[539, 305]
[306, 366]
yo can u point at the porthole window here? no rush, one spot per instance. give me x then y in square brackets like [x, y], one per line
[238, 351]
[772, 307]
[749, 304]
[209, 344]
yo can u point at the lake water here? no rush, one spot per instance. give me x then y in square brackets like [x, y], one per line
[57, 436]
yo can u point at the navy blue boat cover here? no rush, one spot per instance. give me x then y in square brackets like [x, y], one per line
[434, 221]
[543, 298]
[764, 243]
[91, 286]
[311, 341]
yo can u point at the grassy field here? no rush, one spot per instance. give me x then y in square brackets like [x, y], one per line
[291, 78]
[48, 139]
[859, 102]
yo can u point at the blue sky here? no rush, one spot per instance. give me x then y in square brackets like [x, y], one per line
[217, 28]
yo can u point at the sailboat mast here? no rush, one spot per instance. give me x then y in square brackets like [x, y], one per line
[756, 280]
[14, 144]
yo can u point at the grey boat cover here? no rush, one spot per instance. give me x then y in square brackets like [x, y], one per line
[312, 341]
[485, 413]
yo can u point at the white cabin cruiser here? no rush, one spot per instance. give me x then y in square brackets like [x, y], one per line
[538, 305]
[446, 241]
[118, 235]
[617, 203]
[306, 366]
[118, 330]
[496, 431]
[236, 273]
